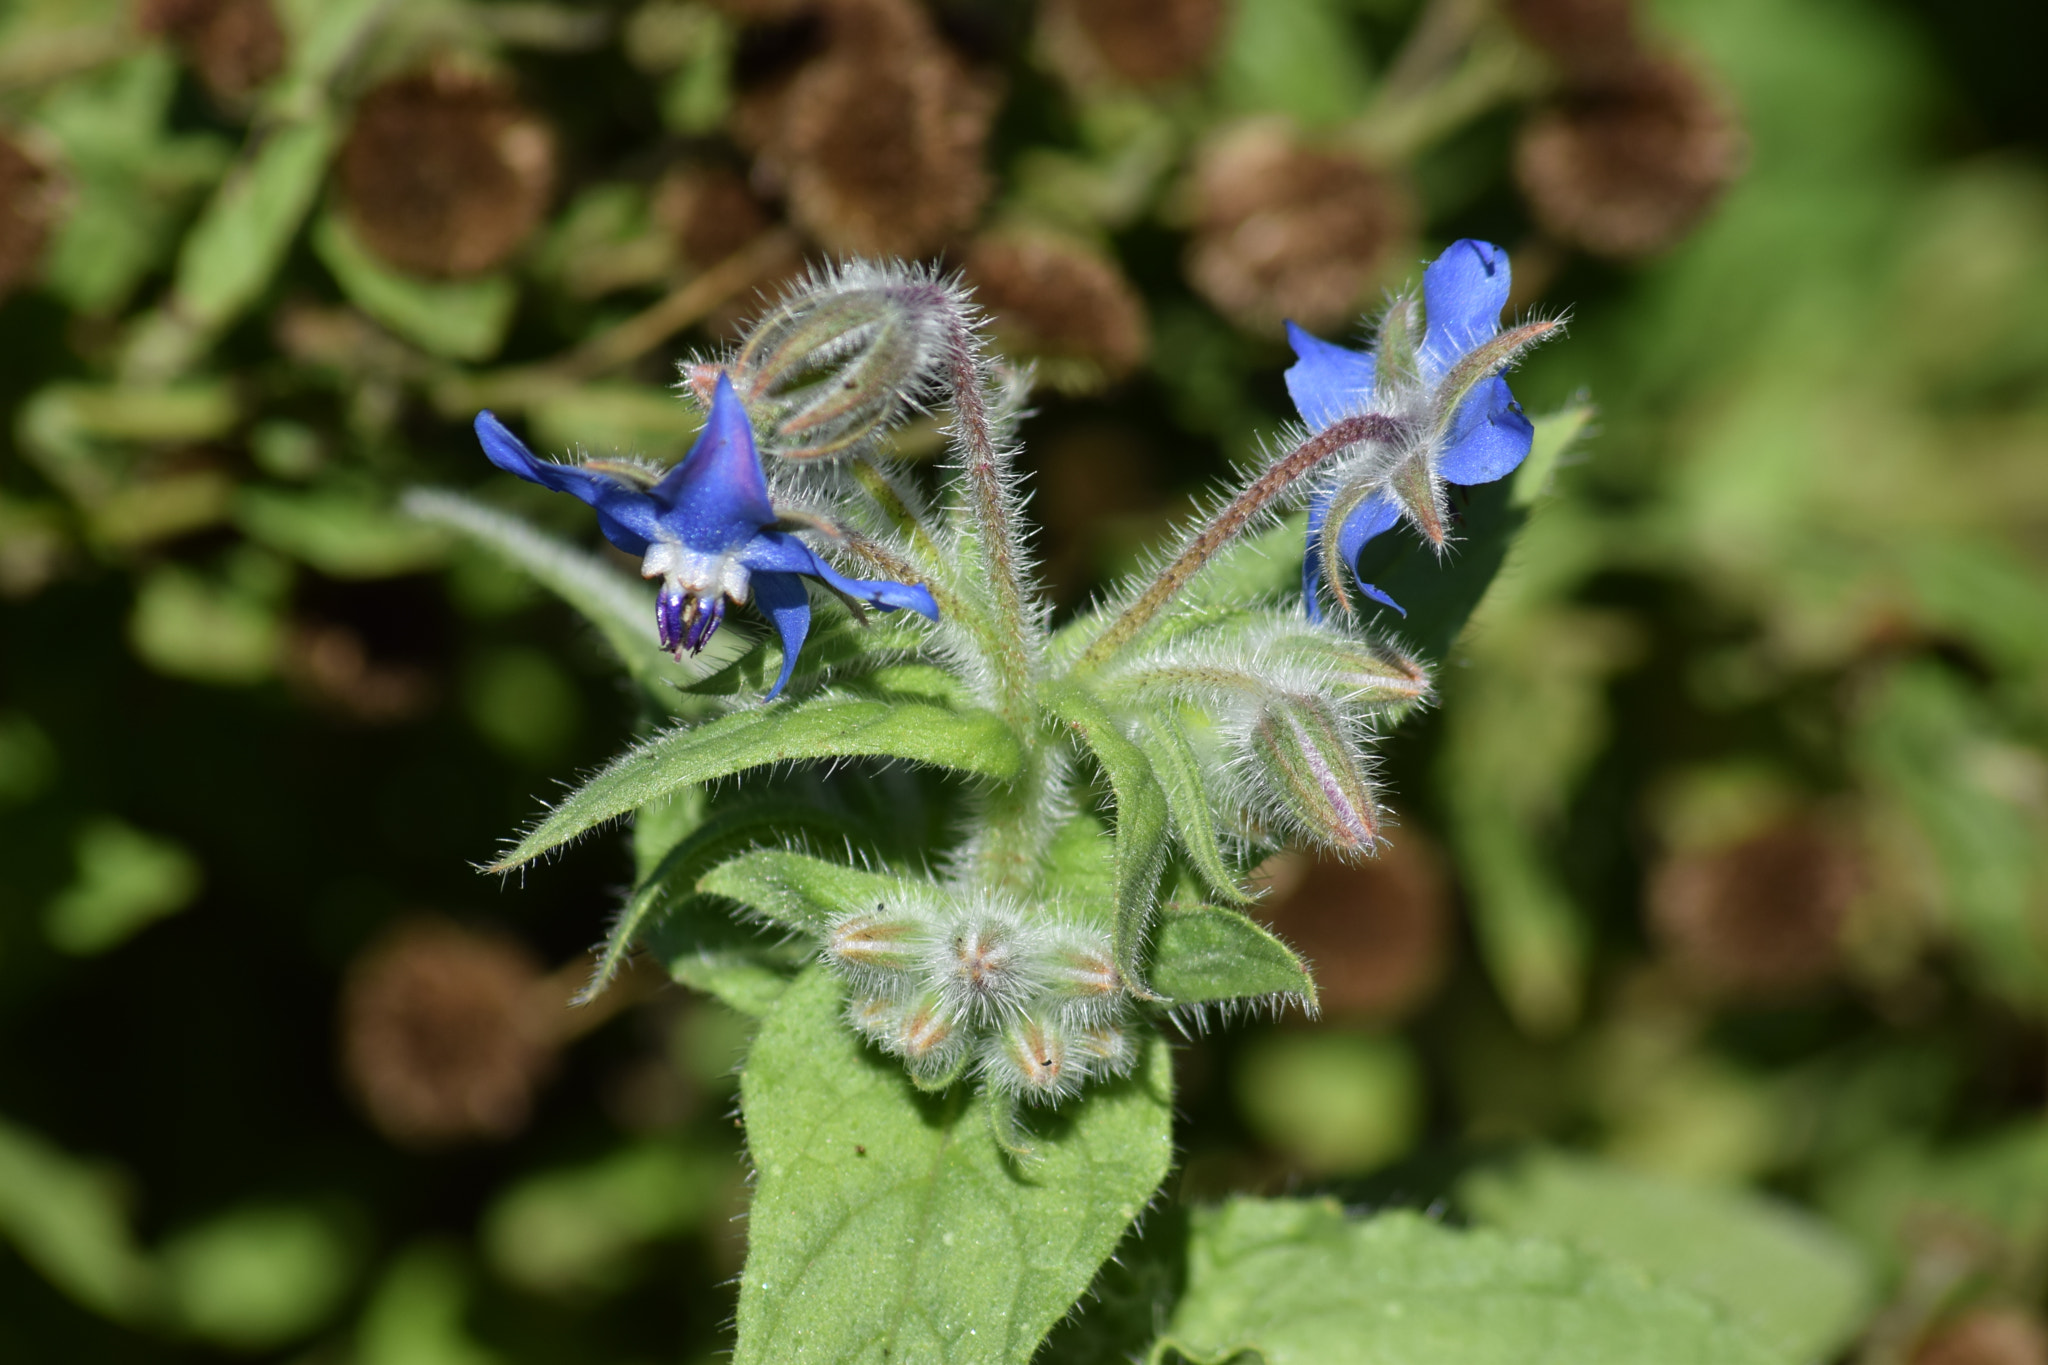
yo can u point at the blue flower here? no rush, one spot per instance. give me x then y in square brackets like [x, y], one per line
[707, 530]
[1459, 423]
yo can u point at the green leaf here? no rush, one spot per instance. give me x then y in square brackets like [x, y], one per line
[674, 878]
[236, 246]
[1187, 787]
[127, 878]
[607, 599]
[887, 1226]
[343, 534]
[1140, 817]
[1799, 1286]
[68, 1219]
[1203, 953]
[258, 1277]
[1295, 1282]
[798, 891]
[460, 319]
[969, 741]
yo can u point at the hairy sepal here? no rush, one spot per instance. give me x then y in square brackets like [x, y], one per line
[1165, 741]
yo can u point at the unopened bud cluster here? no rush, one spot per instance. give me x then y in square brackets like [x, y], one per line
[1032, 1006]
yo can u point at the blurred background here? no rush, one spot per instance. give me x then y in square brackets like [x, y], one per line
[1724, 864]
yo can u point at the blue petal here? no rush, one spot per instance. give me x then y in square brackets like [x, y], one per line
[1463, 292]
[1489, 437]
[1312, 558]
[716, 497]
[779, 552]
[1328, 381]
[782, 598]
[1370, 518]
[626, 515]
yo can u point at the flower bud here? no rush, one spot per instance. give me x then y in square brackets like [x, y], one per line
[846, 356]
[1080, 974]
[1106, 1049]
[1288, 230]
[1370, 673]
[984, 968]
[876, 949]
[445, 173]
[1304, 756]
[1033, 1058]
[931, 1038]
[1626, 165]
[1059, 303]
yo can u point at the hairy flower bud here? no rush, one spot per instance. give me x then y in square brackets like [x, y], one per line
[1080, 973]
[1059, 303]
[1627, 164]
[445, 172]
[1034, 1058]
[985, 966]
[1369, 673]
[844, 357]
[1287, 230]
[878, 949]
[1304, 756]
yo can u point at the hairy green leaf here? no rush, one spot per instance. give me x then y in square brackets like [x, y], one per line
[1796, 1284]
[1295, 1282]
[1187, 789]
[888, 1227]
[1203, 953]
[1140, 817]
[828, 726]
[610, 601]
[796, 890]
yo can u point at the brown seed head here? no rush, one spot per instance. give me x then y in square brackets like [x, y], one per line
[1143, 42]
[1761, 917]
[445, 173]
[877, 139]
[446, 1033]
[709, 213]
[1060, 302]
[1987, 1336]
[1286, 230]
[27, 209]
[1626, 165]
[234, 45]
[1583, 37]
[1377, 932]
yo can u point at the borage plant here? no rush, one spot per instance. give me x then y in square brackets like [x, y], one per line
[959, 861]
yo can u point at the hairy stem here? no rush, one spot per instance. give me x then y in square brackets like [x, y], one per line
[1232, 521]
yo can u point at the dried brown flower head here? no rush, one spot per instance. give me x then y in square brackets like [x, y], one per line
[446, 1032]
[1626, 165]
[876, 140]
[709, 213]
[1376, 932]
[27, 209]
[1287, 230]
[445, 172]
[1763, 916]
[1143, 42]
[1987, 1336]
[1583, 37]
[1059, 302]
[234, 45]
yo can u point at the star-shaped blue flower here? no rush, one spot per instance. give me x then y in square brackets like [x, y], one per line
[707, 530]
[1460, 423]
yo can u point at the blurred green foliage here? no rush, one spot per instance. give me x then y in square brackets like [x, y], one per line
[1742, 766]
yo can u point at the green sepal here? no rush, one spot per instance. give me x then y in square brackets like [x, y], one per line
[886, 1225]
[798, 891]
[674, 877]
[1141, 818]
[607, 599]
[1180, 775]
[1204, 954]
[827, 726]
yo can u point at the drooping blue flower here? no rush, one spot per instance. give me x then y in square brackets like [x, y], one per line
[1459, 424]
[707, 530]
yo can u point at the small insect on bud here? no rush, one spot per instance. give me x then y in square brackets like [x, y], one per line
[1032, 1057]
[874, 948]
[983, 968]
[1287, 230]
[1081, 974]
[843, 358]
[1306, 757]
